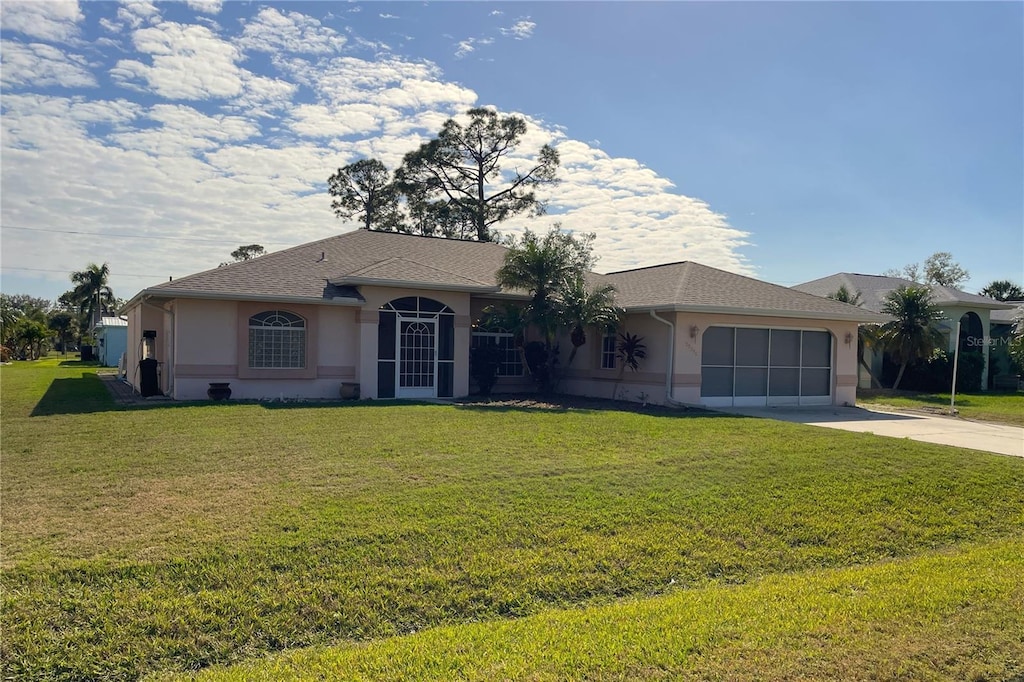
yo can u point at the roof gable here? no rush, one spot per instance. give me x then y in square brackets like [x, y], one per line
[321, 270]
[408, 271]
[692, 286]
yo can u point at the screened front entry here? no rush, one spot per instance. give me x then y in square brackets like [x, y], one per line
[751, 367]
[415, 349]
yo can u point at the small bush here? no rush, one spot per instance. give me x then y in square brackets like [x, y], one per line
[483, 366]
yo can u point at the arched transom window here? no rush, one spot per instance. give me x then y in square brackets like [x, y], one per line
[277, 340]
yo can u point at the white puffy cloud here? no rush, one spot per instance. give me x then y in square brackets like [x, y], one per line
[321, 121]
[43, 65]
[136, 13]
[205, 6]
[183, 130]
[263, 96]
[521, 30]
[188, 62]
[282, 31]
[54, 20]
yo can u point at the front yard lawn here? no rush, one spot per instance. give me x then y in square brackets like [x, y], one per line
[1004, 408]
[173, 537]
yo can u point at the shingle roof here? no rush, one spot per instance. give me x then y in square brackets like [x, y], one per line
[333, 268]
[1008, 316]
[112, 322]
[692, 286]
[326, 268]
[874, 288]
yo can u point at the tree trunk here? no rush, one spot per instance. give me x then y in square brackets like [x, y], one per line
[875, 383]
[481, 219]
[899, 376]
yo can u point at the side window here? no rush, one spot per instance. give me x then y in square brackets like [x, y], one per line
[277, 340]
[608, 347]
[511, 363]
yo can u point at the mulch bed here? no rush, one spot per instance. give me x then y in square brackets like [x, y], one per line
[563, 403]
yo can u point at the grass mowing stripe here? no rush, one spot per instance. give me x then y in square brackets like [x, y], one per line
[915, 618]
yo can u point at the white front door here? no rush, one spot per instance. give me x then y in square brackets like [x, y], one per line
[417, 358]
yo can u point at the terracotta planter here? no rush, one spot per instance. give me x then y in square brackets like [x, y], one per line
[219, 390]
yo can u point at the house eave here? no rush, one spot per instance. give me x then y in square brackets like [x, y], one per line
[862, 317]
[222, 296]
[951, 303]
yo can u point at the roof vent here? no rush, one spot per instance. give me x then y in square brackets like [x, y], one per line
[323, 257]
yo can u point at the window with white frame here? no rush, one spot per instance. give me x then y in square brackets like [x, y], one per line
[511, 363]
[609, 344]
[277, 340]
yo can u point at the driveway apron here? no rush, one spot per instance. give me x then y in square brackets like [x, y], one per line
[962, 433]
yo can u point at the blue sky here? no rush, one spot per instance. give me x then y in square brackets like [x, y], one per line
[787, 141]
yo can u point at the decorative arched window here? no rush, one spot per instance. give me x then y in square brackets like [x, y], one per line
[277, 340]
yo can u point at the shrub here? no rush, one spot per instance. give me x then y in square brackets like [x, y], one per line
[483, 366]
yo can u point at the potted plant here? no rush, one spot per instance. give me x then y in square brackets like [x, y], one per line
[219, 390]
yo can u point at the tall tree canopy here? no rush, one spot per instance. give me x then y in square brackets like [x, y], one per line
[455, 184]
[64, 323]
[16, 311]
[913, 334]
[366, 190]
[1003, 290]
[92, 295]
[248, 252]
[939, 268]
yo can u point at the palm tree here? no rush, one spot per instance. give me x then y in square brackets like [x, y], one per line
[913, 334]
[546, 268]
[64, 323]
[581, 307]
[541, 267]
[92, 294]
[867, 334]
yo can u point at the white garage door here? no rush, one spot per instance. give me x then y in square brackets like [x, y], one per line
[747, 367]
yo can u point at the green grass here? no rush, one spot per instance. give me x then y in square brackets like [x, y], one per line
[176, 537]
[1004, 408]
[891, 620]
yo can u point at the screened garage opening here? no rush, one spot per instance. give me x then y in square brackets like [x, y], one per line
[743, 366]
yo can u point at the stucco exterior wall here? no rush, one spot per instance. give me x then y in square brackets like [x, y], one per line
[203, 341]
[141, 317]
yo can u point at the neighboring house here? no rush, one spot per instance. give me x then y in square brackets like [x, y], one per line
[971, 310]
[1002, 370]
[396, 314]
[111, 340]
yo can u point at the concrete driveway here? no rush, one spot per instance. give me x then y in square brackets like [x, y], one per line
[1004, 440]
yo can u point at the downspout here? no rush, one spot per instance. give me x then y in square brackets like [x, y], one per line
[671, 361]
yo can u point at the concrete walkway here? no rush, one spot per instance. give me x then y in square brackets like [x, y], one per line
[1003, 440]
